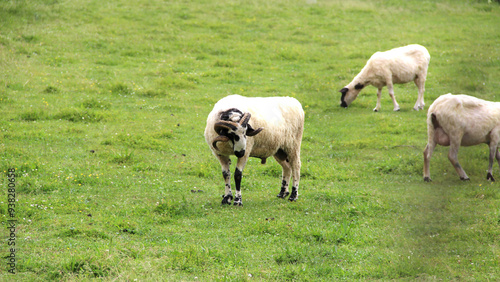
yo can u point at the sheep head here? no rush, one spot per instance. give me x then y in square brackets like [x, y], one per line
[236, 133]
[349, 94]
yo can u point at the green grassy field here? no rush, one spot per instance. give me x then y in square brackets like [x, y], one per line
[104, 106]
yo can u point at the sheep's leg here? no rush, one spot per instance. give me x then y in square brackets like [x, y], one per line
[420, 83]
[296, 179]
[453, 157]
[238, 175]
[225, 162]
[379, 96]
[285, 179]
[390, 88]
[493, 155]
[498, 156]
[429, 149]
[494, 140]
[434, 136]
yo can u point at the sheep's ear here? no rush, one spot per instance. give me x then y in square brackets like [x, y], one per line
[253, 132]
[359, 86]
[344, 90]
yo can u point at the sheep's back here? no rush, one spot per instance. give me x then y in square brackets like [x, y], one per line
[281, 117]
[273, 112]
[466, 115]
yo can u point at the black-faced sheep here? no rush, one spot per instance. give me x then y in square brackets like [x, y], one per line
[396, 66]
[462, 120]
[260, 128]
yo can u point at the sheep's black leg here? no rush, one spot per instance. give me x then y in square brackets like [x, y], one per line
[294, 195]
[238, 175]
[282, 158]
[284, 190]
[226, 199]
[228, 196]
[226, 174]
[296, 178]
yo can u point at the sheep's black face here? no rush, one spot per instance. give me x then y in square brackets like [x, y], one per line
[349, 95]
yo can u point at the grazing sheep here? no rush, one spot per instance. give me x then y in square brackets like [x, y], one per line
[396, 66]
[461, 120]
[260, 128]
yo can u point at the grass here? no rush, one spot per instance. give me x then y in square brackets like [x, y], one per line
[103, 111]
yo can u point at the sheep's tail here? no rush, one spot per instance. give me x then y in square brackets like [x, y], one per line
[434, 120]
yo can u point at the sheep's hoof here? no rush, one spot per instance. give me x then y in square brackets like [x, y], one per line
[397, 110]
[489, 176]
[427, 179]
[238, 202]
[227, 199]
[283, 194]
[293, 197]
[375, 110]
[464, 178]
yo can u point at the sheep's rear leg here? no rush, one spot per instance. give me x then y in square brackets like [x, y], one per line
[296, 178]
[493, 153]
[435, 136]
[284, 190]
[429, 149]
[498, 160]
[281, 158]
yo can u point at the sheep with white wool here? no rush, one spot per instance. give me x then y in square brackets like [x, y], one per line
[396, 66]
[260, 128]
[462, 120]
